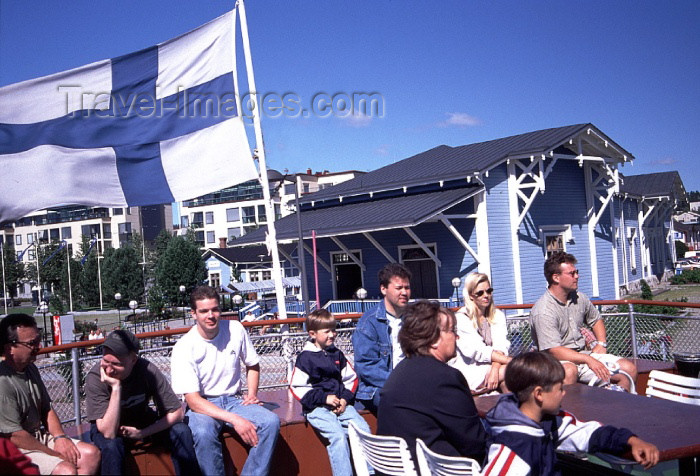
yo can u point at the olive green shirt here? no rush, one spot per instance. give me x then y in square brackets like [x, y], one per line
[556, 324]
[24, 401]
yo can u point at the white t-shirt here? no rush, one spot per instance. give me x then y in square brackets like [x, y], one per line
[212, 367]
[395, 324]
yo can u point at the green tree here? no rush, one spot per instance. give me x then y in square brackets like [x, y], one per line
[14, 270]
[179, 264]
[89, 282]
[681, 249]
[53, 274]
[122, 273]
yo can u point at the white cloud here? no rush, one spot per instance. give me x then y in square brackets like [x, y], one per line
[382, 150]
[357, 120]
[460, 119]
[664, 161]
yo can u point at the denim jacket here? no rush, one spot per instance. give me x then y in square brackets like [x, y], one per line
[373, 351]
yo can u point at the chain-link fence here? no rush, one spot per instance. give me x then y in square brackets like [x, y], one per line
[657, 338]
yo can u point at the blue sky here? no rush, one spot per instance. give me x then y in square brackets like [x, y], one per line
[449, 72]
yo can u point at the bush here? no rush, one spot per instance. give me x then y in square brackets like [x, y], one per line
[691, 276]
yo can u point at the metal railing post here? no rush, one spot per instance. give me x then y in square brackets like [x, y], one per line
[633, 331]
[75, 357]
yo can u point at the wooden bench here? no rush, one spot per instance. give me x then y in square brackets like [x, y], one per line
[299, 449]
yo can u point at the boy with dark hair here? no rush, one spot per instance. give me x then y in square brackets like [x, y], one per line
[527, 426]
[325, 382]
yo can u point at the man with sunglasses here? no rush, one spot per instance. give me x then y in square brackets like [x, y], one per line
[27, 417]
[556, 320]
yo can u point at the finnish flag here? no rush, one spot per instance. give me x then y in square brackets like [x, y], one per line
[156, 126]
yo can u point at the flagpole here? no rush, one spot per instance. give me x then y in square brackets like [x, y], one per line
[70, 290]
[262, 165]
[4, 286]
[38, 281]
[99, 273]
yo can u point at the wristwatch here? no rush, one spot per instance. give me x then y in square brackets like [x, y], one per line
[604, 345]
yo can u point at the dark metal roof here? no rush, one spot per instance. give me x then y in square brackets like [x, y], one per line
[243, 255]
[449, 163]
[367, 216]
[660, 184]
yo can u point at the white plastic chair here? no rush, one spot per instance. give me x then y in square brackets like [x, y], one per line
[388, 454]
[673, 387]
[433, 464]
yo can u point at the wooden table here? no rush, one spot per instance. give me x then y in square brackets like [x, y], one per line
[673, 427]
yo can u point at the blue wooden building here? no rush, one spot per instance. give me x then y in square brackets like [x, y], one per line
[499, 207]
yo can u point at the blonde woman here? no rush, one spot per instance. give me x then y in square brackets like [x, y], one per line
[482, 347]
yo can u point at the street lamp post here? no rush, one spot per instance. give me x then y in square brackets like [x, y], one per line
[456, 283]
[118, 298]
[133, 305]
[237, 300]
[361, 295]
[182, 297]
[43, 308]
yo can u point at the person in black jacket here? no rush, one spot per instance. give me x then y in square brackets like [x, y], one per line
[426, 398]
[325, 383]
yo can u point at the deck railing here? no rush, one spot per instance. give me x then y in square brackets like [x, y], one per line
[278, 342]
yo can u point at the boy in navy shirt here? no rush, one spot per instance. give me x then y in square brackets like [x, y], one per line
[527, 426]
[325, 383]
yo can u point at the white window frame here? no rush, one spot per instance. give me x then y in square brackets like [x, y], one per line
[547, 231]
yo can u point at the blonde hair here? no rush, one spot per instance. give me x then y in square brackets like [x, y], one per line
[470, 284]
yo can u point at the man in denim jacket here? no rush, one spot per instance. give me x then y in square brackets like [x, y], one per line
[375, 342]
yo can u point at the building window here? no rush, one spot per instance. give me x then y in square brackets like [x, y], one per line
[233, 214]
[184, 222]
[262, 215]
[124, 228]
[30, 238]
[209, 218]
[266, 275]
[18, 239]
[248, 214]
[66, 233]
[198, 220]
[233, 233]
[210, 237]
[117, 211]
[278, 211]
[306, 187]
[199, 237]
[54, 234]
[254, 277]
[31, 254]
[554, 238]
[106, 231]
[214, 280]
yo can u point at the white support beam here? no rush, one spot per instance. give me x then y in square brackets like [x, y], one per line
[291, 260]
[379, 247]
[513, 209]
[350, 254]
[616, 270]
[590, 212]
[482, 233]
[420, 243]
[460, 238]
[318, 258]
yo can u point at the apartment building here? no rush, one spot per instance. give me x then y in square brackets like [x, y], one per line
[232, 212]
[112, 227]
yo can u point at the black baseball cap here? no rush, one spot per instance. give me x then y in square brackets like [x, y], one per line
[121, 343]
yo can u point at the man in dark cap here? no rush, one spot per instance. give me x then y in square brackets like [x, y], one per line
[119, 389]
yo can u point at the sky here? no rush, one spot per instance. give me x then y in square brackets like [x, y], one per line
[447, 72]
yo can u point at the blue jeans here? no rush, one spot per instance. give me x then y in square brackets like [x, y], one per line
[207, 445]
[177, 438]
[334, 428]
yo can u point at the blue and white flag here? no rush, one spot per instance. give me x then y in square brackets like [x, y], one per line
[87, 253]
[21, 255]
[60, 247]
[151, 127]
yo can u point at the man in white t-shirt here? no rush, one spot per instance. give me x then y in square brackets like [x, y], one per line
[206, 368]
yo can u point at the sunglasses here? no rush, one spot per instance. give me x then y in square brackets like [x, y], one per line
[488, 291]
[32, 344]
